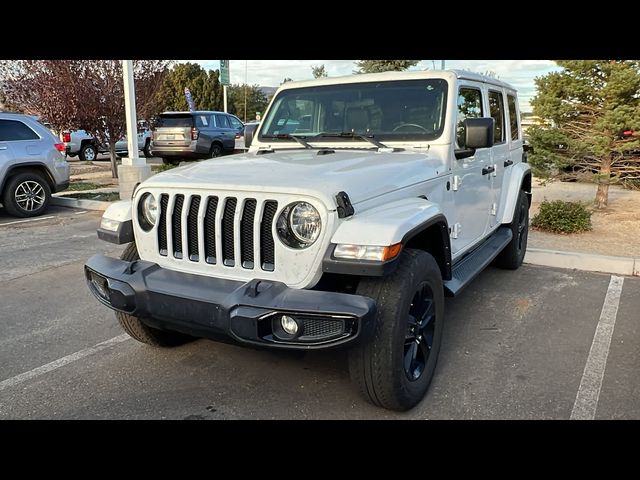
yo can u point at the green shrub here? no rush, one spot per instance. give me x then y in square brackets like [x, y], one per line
[562, 217]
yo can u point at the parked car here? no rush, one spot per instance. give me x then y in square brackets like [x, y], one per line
[87, 147]
[199, 134]
[402, 189]
[32, 165]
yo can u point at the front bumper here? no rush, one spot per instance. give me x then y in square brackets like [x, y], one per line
[247, 312]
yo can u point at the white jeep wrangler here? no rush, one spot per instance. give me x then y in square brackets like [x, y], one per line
[361, 203]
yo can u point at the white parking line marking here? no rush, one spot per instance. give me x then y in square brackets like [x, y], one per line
[61, 362]
[80, 213]
[586, 402]
[28, 220]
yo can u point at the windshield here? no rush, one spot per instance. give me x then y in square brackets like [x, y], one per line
[175, 120]
[412, 110]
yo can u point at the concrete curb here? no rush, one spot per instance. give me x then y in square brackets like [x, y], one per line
[583, 261]
[80, 203]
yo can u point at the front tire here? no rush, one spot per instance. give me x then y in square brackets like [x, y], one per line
[26, 195]
[393, 369]
[138, 330]
[513, 254]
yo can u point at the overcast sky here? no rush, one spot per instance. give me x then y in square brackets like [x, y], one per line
[270, 73]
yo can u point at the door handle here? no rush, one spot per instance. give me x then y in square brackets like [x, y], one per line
[488, 170]
[3, 148]
[508, 163]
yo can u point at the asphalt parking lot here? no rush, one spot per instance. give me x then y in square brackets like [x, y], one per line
[515, 347]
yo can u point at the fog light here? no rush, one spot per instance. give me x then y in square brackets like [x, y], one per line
[289, 325]
[100, 286]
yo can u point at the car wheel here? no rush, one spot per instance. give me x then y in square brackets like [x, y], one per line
[394, 367]
[147, 150]
[216, 150]
[513, 254]
[88, 152]
[141, 332]
[26, 195]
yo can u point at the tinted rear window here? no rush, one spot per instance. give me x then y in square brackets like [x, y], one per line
[11, 130]
[175, 121]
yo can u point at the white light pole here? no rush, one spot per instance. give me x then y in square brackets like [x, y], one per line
[441, 64]
[133, 169]
[224, 96]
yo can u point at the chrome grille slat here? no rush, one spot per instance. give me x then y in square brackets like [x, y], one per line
[230, 231]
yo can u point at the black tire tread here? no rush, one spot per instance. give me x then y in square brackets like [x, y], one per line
[369, 362]
[509, 259]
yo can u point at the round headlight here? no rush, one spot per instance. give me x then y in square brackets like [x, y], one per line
[148, 210]
[304, 221]
[299, 225]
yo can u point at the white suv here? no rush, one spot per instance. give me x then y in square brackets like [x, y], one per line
[361, 203]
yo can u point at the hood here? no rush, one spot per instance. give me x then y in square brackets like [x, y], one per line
[363, 174]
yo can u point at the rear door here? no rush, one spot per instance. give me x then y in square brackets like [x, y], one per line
[21, 142]
[174, 130]
[499, 152]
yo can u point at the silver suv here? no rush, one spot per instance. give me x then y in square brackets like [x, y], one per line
[32, 165]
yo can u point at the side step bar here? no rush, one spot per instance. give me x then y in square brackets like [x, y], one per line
[471, 265]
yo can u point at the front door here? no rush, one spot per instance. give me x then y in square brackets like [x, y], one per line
[470, 183]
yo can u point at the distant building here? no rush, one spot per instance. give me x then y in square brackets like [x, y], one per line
[528, 119]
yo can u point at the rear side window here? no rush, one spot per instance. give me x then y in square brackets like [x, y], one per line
[202, 121]
[221, 121]
[513, 117]
[496, 109]
[469, 106]
[180, 120]
[12, 130]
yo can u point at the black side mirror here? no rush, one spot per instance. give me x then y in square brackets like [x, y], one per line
[248, 134]
[478, 134]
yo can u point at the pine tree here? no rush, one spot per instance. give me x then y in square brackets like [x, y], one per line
[589, 105]
[374, 66]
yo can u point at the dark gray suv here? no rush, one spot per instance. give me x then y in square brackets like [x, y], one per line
[199, 134]
[32, 165]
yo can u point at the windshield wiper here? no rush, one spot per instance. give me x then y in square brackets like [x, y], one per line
[367, 138]
[286, 136]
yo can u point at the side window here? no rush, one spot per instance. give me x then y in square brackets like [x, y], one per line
[235, 123]
[202, 121]
[221, 121]
[513, 117]
[496, 110]
[12, 130]
[469, 106]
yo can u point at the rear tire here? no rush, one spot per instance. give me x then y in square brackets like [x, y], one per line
[215, 150]
[147, 150]
[138, 330]
[26, 195]
[513, 254]
[393, 369]
[88, 152]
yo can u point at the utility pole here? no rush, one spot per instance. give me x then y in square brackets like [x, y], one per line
[245, 91]
[133, 169]
[441, 64]
[224, 96]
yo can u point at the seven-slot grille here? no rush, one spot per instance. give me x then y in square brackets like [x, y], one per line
[230, 231]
